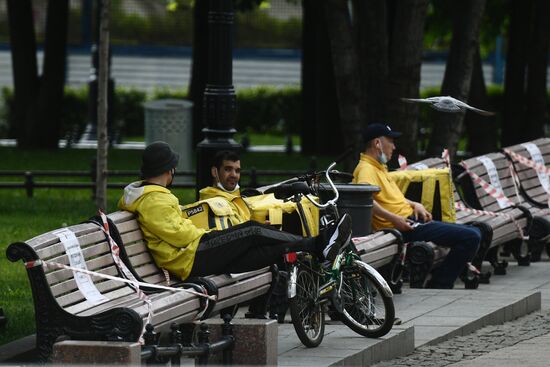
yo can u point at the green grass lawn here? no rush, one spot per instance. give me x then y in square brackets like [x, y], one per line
[22, 218]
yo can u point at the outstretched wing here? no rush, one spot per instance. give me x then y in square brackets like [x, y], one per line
[413, 100]
[480, 111]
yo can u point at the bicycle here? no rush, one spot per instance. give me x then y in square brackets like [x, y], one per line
[358, 294]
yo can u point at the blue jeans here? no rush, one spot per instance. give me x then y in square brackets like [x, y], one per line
[463, 241]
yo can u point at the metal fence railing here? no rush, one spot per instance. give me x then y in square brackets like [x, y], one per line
[40, 179]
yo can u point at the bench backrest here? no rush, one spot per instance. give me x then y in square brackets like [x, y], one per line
[529, 178]
[97, 257]
[502, 175]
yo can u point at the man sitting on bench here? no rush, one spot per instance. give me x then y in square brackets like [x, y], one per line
[226, 173]
[392, 209]
[185, 250]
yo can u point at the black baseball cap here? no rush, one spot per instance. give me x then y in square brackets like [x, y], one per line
[158, 158]
[377, 130]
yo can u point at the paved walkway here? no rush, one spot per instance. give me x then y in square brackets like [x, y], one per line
[445, 327]
[523, 341]
[484, 327]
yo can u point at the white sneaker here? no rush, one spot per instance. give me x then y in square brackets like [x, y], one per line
[340, 236]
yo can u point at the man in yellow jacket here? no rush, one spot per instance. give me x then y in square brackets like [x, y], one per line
[185, 250]
[392, 209]
[226, 174]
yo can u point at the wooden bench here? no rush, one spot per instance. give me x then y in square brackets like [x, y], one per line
[63, 310]
[524, 213]
[531, 185]
[231, 289]
[496, 230]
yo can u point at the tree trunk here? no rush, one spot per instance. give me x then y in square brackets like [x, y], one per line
[345, 66]
[320, 112]
[536, 94]
[481, 130]
[514, 85]
[47, 117]
[24, 65]
[458, 74]
[199, 67]
[405, 61]
[370, 26]
[38, 101]
[102, 92]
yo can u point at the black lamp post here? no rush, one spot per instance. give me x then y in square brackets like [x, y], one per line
[219, 101]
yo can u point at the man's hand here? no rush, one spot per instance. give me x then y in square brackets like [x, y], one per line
[401, 224]
[421, 213]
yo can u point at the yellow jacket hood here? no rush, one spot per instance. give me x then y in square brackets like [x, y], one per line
[172, 239]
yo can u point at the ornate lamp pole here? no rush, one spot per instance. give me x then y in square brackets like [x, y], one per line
[219, 101]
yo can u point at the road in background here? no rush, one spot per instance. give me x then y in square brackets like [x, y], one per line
[173, 72]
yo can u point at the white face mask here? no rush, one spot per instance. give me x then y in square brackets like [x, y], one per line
[220, 186]
[382, 159]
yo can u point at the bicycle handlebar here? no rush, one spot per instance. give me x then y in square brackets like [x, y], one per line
[297, 185]
[285, 190]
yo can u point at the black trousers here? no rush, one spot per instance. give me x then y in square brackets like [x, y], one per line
[245, 247]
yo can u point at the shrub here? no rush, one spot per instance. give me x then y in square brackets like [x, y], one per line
[262, 109]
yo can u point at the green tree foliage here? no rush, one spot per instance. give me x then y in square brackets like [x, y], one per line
[438, 32]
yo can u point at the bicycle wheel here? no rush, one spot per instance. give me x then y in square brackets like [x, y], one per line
[307, 313]
[366, 309]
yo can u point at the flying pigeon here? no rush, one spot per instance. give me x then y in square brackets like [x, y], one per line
[447, 104]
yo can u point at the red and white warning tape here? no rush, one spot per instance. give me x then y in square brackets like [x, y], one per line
[402, 162]
[539, 168]
[115, 254]
[129, 277]
[446, 158]
[54, 265]
[460, 206]
[487, 187]
[515, 181]
[526, 161]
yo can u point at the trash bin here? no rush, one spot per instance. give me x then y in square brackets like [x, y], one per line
[171, 120]
[356, 200]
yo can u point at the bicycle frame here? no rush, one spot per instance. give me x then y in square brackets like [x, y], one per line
[348, 286]
[346, 256]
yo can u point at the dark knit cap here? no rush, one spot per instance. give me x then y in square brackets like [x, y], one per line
[158, 158]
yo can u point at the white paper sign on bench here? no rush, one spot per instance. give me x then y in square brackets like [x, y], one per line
[76, 260]
[503, 202]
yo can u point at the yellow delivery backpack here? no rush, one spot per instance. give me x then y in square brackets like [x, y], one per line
[432, 187]
[268, 209]
[212, 213]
